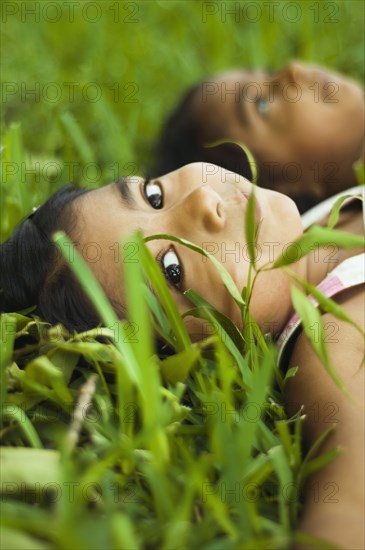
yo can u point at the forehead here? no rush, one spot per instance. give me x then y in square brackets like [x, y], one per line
[214, 103]
[219, 87]
[220, 91]
[222, 87]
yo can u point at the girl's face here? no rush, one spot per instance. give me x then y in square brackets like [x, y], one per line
[305, 126]
[207, 206]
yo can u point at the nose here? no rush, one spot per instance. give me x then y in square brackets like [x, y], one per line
[292, 71]
[202, 206]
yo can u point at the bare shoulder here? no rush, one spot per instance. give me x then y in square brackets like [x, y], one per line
[337, 511]
[345, 345]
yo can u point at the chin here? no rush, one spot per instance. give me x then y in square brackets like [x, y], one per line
[283, 210]
[281, 225]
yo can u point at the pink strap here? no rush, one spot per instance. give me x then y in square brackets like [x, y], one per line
[349, 273]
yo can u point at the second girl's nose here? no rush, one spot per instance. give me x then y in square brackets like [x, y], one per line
[203, 208]
[293, 71]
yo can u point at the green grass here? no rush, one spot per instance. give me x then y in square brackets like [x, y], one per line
[105, 444]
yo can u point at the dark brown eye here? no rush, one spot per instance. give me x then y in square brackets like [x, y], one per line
[154, 194]
[172, 268]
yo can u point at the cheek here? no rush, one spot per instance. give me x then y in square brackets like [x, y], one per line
[219, 297]
[314, 122]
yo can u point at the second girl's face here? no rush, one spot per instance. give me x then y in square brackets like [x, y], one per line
[304, 125]
[207, 206]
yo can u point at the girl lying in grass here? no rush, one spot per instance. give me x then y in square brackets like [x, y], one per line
[207, 205]
[303, 125]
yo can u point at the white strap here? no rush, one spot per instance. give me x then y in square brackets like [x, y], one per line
[318, 212]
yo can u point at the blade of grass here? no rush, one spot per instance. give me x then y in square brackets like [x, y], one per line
[94, 291]
[7, 334]
[16, 413]
[158, 281]
[326, 304]
[310, 317]
[77, 136]
[245, 149]
[314, 237]
[139, 314]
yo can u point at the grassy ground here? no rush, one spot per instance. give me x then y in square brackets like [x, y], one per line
[105, 445]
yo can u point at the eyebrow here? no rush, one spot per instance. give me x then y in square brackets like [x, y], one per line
[124, 188]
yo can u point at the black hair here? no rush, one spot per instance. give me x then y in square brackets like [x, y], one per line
[180, 143]
[33, 271]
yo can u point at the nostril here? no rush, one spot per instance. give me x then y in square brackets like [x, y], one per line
[219, 210]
